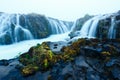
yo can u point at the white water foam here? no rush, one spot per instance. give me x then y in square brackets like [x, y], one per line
[10, 51]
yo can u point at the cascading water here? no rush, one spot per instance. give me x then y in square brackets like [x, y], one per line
[18, 27]
[92, 31]
[15, 28]
[26, 33]
[58, 27]
[112, 31]
[89, 28]
[85, 28]
[11, 28]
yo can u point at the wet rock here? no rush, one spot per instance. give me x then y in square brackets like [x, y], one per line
[83, 59]
[113, 61]
[80, 61]
[92, 52]
[111, 49]
[4, 62]
[67, 69]
[57, 46]
[91, 75]
[116, 72]
[118, 17]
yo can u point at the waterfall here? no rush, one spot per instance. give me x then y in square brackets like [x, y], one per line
[73, 26]
[19, 27]
[92, 31]
[5, 30]
[89, 28]
[85, 28]
[26, 33]
[112, 31]
[58, 27]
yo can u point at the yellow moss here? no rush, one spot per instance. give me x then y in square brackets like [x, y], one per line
[69, 51]
[50, 54]
[42, 56]
[105, 53]
[29, 69]
[78, 43]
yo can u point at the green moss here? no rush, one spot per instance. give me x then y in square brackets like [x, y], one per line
[45, 63]
[41, 56]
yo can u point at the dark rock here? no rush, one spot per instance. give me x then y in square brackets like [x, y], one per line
[118, 17]
[4, 62]
[91, 75]
[116, 72]
[92, 52]
[113, 62]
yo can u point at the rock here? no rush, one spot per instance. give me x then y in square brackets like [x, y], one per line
[74, 34]
[118, 17]
[39, 56]
[111, 49]
[67, 69]
[93, 76]
[4, 62]
[82, 59]
[92, 52]
[113, 62]
[57, 46]
[116, 72]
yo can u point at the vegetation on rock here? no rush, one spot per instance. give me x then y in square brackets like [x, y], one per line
[41, 58]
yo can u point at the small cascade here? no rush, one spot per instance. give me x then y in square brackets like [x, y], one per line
[58, 27]
[73, 26]
[92, 30]
[89, 28]
[112, 31]
[26, 33]
[85, 28]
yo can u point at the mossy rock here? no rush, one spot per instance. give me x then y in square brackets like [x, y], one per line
[42, 57]
[29, 70]
[111, 49]
[69, 52]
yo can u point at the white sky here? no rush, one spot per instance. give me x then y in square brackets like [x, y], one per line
[62, 9]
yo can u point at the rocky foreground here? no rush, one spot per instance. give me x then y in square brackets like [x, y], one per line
[83, 59]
